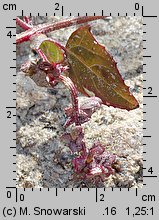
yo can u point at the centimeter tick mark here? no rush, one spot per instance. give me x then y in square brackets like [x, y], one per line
[62, 10]
[136, 192]
[96, 195]
[150, 176]
[150, 96]
[153, 16]
[11, 107]
[11, 27]
[147, 136]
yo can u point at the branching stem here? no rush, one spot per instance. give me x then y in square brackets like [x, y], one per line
[45, 28]
[28, 20]
[24, 25]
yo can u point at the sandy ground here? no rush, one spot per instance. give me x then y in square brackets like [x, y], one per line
[42, 159]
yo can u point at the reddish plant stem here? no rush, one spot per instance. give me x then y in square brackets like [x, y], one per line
[42, 55]
[23, 24]
[68, 82]
[45, 28]
[28, 20]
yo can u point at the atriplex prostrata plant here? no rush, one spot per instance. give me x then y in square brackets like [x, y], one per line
[83, 65]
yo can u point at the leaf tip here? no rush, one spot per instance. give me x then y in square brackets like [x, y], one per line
[133, 105]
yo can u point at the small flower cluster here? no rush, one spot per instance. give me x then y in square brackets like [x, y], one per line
[95, 162]
[88, 163]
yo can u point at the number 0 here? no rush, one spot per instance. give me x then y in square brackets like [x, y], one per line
[9, 194]
[137, 6]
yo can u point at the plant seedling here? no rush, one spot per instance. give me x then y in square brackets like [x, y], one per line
[82, 65]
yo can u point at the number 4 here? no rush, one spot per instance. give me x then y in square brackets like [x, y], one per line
[9, 34]
[150, 170]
